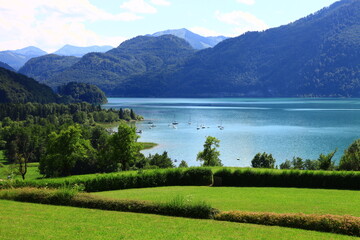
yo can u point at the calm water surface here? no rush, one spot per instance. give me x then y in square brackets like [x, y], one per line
[283, 127]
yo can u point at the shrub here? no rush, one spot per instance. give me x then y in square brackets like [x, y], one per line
[348, 225]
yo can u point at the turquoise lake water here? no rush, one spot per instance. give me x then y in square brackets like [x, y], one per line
[283, 127]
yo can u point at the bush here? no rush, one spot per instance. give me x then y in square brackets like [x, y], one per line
[69, 197]
[348, 225]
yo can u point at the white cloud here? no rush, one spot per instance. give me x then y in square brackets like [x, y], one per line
[160, 2]
[242, 21]
[247, 2]
[204, 31]
[138, 6]
[51, 24]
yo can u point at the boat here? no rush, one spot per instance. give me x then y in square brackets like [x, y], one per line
[139, 131]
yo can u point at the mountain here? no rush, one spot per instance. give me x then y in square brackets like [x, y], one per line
[17, 58]
[6, 66]
[195, 40]
[140, 55]
[47, 66]
[69, 50]
[17, 88]
[317, 56]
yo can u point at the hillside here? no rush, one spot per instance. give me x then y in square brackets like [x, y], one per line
[17, 88]
[17, 58]
[314, 56]
[69, 50]
[195, 40]
[82, 92]
[47, 66]
[6, 66]
[136, 56]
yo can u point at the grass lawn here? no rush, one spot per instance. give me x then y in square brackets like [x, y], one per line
[280, 200]
[35, 221]
[32, 172]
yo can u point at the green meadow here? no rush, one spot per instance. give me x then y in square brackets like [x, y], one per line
[35, 221]
[279, 200]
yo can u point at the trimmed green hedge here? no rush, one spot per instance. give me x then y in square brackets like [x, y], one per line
[117, 181]
[287, 178]
[347, 225]
[70, 197]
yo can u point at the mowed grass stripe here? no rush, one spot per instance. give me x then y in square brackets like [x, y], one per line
[36, 221]
[279, 200]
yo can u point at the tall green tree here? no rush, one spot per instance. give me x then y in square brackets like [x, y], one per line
[122, 150]
[210, 155]
[64, 151]
[350, 161]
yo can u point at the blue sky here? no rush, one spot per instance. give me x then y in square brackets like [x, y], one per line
[50, 24]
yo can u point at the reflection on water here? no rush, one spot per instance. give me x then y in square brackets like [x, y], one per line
[283, 127]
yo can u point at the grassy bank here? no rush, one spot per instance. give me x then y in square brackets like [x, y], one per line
[147, 145]
[279, 200]
[35, 221]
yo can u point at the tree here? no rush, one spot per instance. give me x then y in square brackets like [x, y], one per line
[263, 160]
[183, 164]
[122, 150]
[325, 162]
[121, 114]
[132, 114]
[161, 161]
[286, 165]
[298, 163]
[210, 155]
[64, 151]
[350, 161]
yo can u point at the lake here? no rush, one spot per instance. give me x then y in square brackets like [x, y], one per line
[283, 127]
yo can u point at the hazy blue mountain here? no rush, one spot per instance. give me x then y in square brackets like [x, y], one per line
[47, 66]
[195, 40]
[17, 88]
[6, 66]
[69, 50]
[17, 58]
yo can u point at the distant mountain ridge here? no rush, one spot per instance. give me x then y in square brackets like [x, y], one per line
[17, 58]
[140, 55]
[69, 50]
[6, 66]
[195, 40]
[45, 67]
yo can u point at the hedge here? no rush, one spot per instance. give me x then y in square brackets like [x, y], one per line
[347, 225]
[287, 178]
[70, 197]
[117, 181]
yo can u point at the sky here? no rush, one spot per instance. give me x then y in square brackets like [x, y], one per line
[50, 24]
